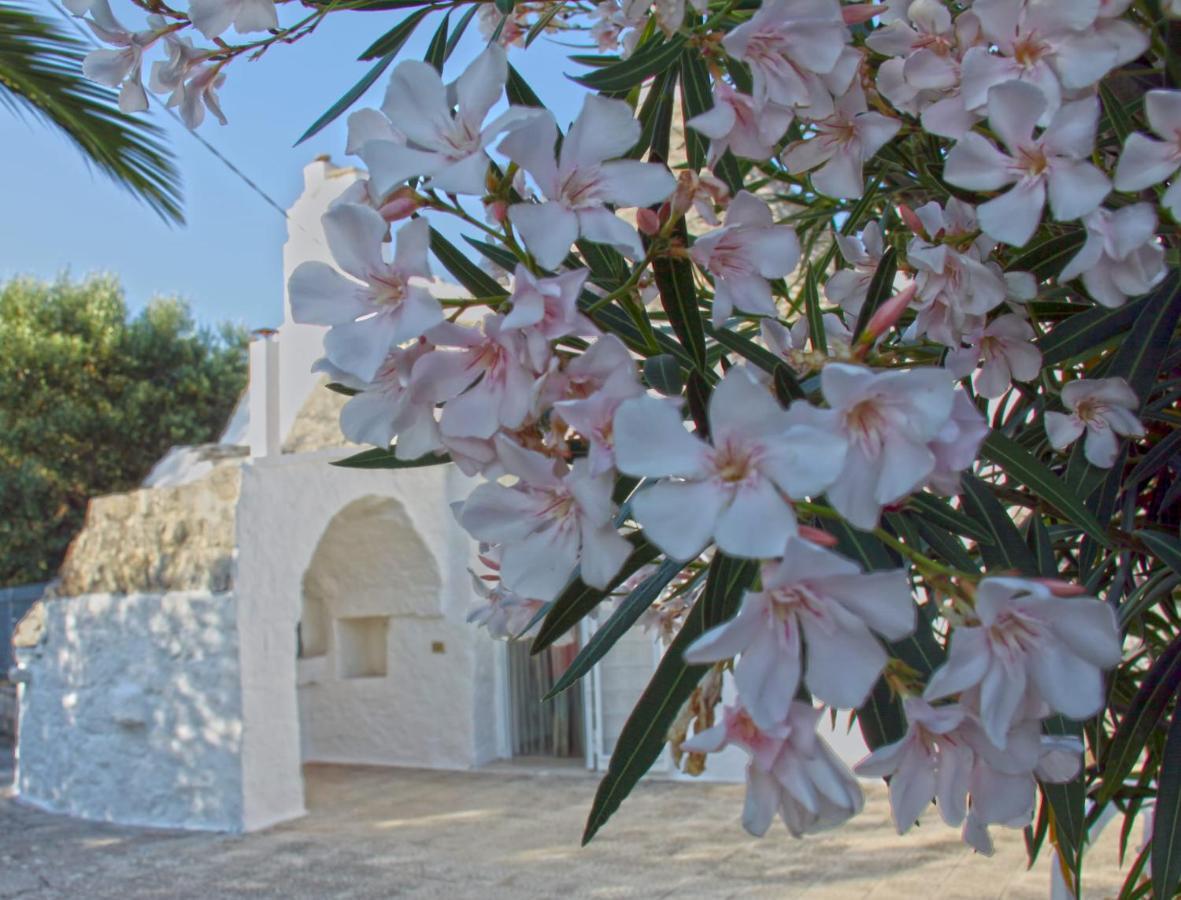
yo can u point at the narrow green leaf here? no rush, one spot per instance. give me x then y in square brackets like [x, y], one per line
[1022, 466]
[1166, 826]
[436, 51]
[1084, 332]
[647, 60]
[1116, 112]
[380, 458]
[1137, 361]
[881, 288]
[696, 98]
[746, 348]
[1006, 548]
[453, 38]
[578, 599]
[730, 171]
[1158, 687]
[940, 512]
[655, 118]
[338, 388]
[505, 6]
[466, 272]
[787, 386]
[678, 296]
[812, 308]
[1067, 806]
[1046, 256]
[626, 614]
[498, 255]
[394, 39]
[518, 91]
[1164, 547]
[350, 97]
[646, 731]
[663, 373]
[553, 10]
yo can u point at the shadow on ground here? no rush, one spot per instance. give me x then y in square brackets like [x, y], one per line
[504, 833]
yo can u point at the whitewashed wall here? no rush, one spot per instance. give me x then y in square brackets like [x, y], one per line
[355, 530]
[131, 711]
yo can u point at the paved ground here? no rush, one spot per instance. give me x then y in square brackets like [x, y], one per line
[377, 833]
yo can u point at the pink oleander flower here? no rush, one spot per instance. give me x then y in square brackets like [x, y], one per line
[798, 54]
[389, 406]
[121, 68]
[848, 287]
[487, 386]
[784, 342]
[1146, 162]
[550, 521]
[843, 142]
[374, 305]
[814, 599]
[1103, 408]
[1050, 45]
[736, 124]
[957, 445]
[736, 488]
[546, 309]
[1056, 159]
[1009, 354]
[888, 420]
[743, 254]
[792, 771]
[593, 417]
[959, 279]
[504, 614]
[923, 77]
[585, 176]
[212, 17]
[1029, 644]
[1127, 41]
[428, 140]
[1004, 780]
[1122, 256]
[932, 762]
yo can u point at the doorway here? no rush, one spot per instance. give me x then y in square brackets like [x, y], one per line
[554, 728]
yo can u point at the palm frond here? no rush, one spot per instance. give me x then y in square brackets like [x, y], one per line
[41, 74]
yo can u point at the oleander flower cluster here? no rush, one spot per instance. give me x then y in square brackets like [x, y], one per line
[819, 325]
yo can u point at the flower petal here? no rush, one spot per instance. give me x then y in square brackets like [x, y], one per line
[678, 517]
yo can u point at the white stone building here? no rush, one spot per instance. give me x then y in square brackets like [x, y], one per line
[254, 608]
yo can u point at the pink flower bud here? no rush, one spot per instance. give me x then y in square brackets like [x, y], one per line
[857, 13]
[886, 315]
[912, 221]
[647, 221]
[687, 185]
[1060, 588]
[816, 536]
[498, 211]
[399, 205]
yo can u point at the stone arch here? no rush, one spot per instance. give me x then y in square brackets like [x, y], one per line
[371, 611]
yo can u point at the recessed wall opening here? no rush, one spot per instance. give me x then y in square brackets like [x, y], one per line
[313, 626]
[362, 646]
[551, 728]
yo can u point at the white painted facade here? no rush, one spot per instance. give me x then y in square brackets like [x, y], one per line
[342, 640]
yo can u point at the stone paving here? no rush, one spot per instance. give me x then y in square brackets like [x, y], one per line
[506, 833]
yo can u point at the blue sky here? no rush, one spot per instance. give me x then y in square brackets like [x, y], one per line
[57, 215]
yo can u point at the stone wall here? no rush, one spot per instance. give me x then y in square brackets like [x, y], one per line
[156, 539]
[131, 710]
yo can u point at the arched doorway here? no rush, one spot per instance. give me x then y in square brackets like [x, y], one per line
[370, 620]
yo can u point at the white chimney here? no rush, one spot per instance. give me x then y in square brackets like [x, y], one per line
[264, 393]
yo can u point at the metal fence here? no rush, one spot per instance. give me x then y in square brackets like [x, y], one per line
[14, 603]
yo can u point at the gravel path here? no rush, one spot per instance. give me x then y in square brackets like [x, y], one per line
[506, 833]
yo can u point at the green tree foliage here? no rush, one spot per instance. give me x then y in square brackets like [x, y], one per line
[90, 399]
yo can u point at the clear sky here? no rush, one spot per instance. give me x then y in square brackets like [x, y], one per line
[56, 215]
